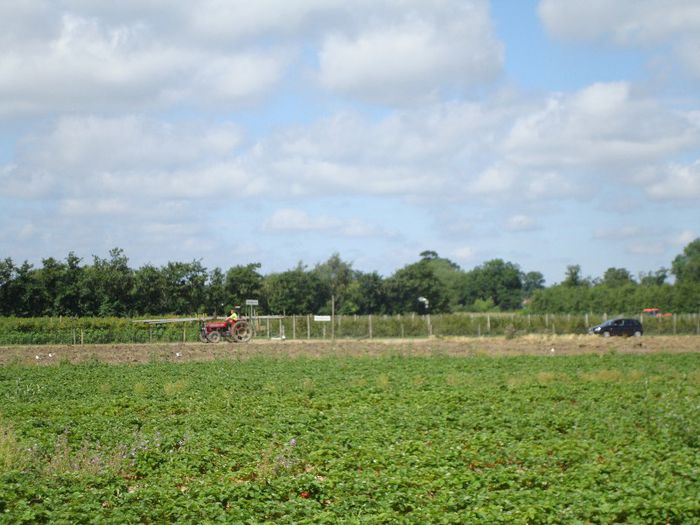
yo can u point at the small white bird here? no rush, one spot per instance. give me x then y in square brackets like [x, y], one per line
[37, 357]
[50, 354]
[178, 354]
[551, 351]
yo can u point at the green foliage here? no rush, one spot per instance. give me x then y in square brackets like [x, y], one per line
[497, 281]
[242, 282]
[54, 330]
[616, 277]
[109, 287]
[686, 267]
[573, 278]
[366, 294]
[413, 281]
[630, 298]
[295, 292]
[389, 439]
[532, 281]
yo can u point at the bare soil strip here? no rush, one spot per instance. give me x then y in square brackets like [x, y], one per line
[464, 347]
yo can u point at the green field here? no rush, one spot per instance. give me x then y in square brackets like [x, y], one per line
[586, 439]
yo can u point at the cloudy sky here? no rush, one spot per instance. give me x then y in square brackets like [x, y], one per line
[545, 133]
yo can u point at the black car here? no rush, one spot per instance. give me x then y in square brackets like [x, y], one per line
[626, 327]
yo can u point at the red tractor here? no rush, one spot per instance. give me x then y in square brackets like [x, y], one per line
[232, 331]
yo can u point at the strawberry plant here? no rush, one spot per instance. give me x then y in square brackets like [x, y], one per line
[584, 439]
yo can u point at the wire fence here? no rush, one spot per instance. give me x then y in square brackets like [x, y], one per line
[68, 331]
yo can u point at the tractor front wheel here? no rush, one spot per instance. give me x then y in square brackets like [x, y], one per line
[214, 337]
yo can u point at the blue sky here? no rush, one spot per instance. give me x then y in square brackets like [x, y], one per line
[545, 133]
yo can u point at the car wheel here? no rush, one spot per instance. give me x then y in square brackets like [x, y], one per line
[638, 334]
[606, 334]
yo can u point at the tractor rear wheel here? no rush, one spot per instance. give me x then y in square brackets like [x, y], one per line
[242, 332]
[214, 337]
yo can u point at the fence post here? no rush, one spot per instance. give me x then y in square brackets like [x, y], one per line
[308, 326]
[674, 324]
[294, 326]
[370, 326]
[82, 337]
[488, 324]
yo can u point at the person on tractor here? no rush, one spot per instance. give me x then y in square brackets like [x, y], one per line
[232, 317]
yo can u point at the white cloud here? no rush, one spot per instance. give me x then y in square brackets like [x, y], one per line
[618, 232]
[234, 20]
[646, 248]
[464, 254]
[417, 56]
[521, 223]
[677, 182]
[684, 237]
[601, 125]
[629, 22]
[639, 23]
[289, 220]
[74, 56]
[88, 64]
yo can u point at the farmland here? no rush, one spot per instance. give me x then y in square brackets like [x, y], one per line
[533, 429]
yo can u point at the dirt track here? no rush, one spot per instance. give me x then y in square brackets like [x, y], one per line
[495, 346]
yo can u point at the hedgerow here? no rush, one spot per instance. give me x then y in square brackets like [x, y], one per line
[95, 330]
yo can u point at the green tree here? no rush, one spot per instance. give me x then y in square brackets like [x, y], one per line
[184, 287]
[686, 266]
[573, 278]
[243, 282]
[9, 289]
[495, 280]
[111, 281]
[448, 273]
[216, 296]
[617, 277]
[71, 291]
[149, 291]
[295, 292]
[416, 280]
[336, 276]
[366, 295]
[656, 278]
[532, 281]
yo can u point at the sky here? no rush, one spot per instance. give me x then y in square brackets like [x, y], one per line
[545, 133]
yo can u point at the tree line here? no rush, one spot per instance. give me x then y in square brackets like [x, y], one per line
[110, 287]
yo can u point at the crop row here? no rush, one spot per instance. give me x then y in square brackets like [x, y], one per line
[92, 330]
[587, 439]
